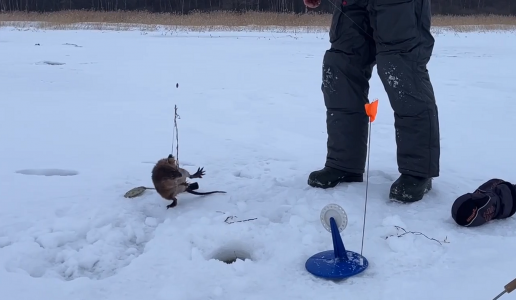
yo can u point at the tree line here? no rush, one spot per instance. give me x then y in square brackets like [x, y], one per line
[442, 7]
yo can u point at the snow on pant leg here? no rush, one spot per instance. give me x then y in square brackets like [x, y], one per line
[347, 68]
[404, 45]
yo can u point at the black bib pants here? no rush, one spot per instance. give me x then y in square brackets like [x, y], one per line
[395, 36]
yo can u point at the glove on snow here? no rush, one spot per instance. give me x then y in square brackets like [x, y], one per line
[494, 199]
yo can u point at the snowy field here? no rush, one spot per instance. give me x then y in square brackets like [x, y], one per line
[95, 110]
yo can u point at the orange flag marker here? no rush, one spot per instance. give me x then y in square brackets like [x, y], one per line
[371, 110]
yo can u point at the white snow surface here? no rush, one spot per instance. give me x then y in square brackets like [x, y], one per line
[94, 117]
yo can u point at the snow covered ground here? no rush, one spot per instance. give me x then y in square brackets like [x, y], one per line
[95, 109]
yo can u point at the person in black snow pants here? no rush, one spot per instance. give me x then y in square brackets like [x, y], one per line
[395, 36]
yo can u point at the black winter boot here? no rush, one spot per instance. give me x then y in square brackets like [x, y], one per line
[409, 188]
[330, 177]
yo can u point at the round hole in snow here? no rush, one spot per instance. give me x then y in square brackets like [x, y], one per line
[229, 255]
[48, 172]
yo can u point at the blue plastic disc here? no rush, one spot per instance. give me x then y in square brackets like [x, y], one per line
[325, 265]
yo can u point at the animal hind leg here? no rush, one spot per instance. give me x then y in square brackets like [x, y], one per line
[198, 174]
[183, 186]
[193, 186]
[173, 204]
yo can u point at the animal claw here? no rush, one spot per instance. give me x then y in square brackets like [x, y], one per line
[200, 172]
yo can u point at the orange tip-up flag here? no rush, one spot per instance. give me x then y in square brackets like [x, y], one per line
[371, 110]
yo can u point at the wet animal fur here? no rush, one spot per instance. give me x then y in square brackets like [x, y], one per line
[170, 180]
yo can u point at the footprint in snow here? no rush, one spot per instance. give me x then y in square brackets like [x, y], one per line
[75, 45]
[243, 174]
[95, 250]
[4, 242]
[380, 177]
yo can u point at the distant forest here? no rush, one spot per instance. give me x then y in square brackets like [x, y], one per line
[441, 7]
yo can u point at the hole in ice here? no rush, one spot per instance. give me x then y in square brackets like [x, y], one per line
[47, 172]
[230, 254]
[50, 63]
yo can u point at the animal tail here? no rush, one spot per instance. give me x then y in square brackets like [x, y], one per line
[206, 193]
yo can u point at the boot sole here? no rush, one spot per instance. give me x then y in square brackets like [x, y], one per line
[318, 184]
[403, 200]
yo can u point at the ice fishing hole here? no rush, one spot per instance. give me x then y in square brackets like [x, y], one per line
[229, 255]
[48, 172]
[50, 63]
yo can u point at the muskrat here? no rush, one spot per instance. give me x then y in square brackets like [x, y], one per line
[170, 180]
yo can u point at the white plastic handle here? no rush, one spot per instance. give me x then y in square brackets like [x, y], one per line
[338, 213]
